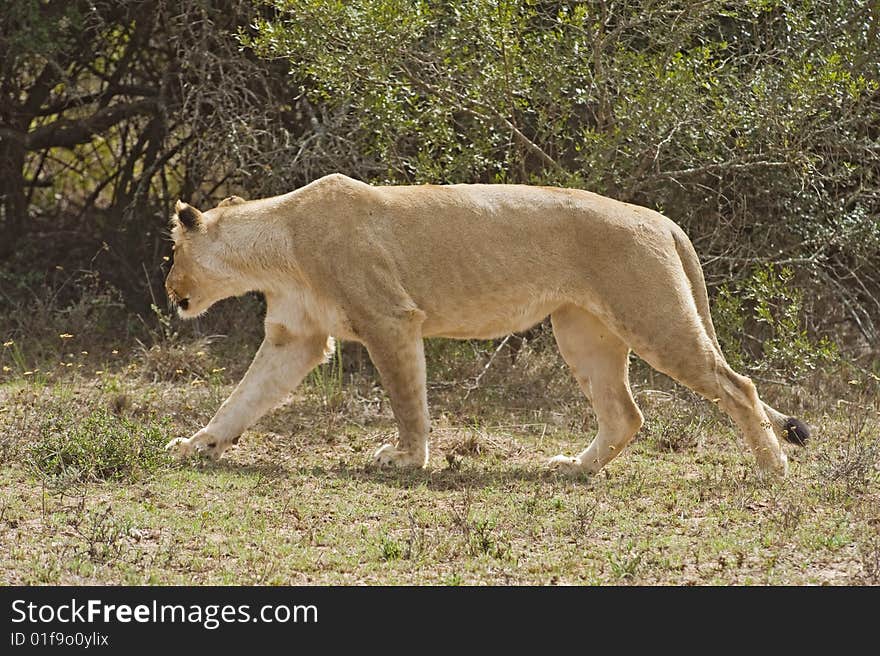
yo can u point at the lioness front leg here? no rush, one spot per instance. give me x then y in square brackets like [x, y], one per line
[280, 364]
[399, 356]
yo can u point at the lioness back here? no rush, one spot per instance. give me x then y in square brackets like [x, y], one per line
[484, 260]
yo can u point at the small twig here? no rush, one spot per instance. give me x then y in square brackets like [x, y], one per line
[474, 385]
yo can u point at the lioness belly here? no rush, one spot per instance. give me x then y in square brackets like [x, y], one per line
[487, 323]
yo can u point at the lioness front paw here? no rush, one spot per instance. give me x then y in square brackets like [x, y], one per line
[389, 455]
[567, 465]
[180, 447]
[202, 443]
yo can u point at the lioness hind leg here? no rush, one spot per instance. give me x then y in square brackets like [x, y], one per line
[695, 361]
[738, 397]
[399, 355]
[599, 361]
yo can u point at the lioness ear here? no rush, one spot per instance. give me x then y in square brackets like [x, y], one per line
[232, 200]
[188, 215]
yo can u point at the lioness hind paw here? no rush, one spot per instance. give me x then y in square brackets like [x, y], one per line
[567, 465]
[389, 455]
[773, 468]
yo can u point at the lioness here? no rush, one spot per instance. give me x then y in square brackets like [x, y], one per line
[388, 266]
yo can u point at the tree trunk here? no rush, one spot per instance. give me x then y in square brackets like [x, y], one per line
[13, 202]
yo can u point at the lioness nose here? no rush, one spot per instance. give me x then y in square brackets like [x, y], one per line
[183, 303]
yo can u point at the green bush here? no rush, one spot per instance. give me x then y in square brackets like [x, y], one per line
[761, 326]
[99, 446]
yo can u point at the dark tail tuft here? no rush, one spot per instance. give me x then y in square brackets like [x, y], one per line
[796, 431]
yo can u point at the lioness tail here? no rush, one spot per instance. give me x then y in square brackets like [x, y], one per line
[789, 429]
[690, 262]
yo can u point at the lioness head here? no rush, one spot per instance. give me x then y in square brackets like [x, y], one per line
[200, 274]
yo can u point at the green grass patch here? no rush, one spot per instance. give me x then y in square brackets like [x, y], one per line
[99, 446]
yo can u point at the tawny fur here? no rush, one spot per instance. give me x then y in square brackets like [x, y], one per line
[388, 266]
